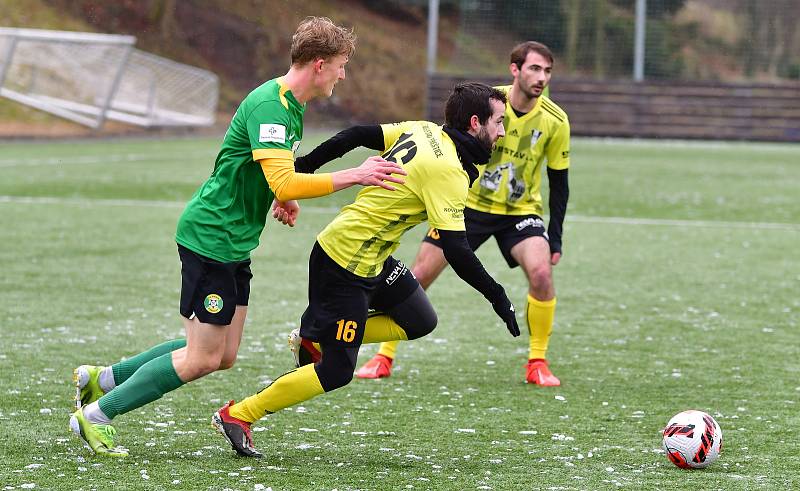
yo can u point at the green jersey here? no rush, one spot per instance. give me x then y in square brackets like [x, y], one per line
[366, 232]
[225, 217]
[510, 183]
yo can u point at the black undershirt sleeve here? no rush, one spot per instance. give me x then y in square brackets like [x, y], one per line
[469, 268]
[369, 136]
[559, 195]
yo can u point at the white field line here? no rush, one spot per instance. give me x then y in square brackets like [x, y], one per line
[143, 157]
[35, 200]
[673, 143]
[45, 200]
[103, 159]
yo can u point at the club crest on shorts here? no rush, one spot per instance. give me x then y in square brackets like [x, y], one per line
[213, 303]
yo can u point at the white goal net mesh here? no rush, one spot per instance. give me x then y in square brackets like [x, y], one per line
[88, 78]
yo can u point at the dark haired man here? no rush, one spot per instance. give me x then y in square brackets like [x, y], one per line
[506, 203]
[351, 269]
[220, 226]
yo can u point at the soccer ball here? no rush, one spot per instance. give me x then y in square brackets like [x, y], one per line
[692, 440]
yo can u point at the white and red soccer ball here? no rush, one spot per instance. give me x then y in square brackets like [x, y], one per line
[692, 439]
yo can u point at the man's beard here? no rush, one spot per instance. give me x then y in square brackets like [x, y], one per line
[484, 139]
[529, 93]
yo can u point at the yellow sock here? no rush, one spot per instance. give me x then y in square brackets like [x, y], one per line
[287, 390]
[540, 315]
[388, 349]
[382, 328]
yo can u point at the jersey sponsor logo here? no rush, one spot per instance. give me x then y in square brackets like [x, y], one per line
[491, 180]
[530, 222]
[513, 153]
[213, 303]
[399, 270]
[457, 213]
[432, 141]
[274, 133]
[535, 137]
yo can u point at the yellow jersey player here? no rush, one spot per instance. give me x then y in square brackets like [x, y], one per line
[506, 203]
[351, 269]
[218, 229]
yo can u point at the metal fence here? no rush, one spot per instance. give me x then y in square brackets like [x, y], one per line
[707, 69]
[720, 40]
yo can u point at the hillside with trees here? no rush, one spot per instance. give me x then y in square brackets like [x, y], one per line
[247, 41]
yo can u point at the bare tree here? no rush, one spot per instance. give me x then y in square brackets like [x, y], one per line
[600, 9]
[163, 13]
[573, 13]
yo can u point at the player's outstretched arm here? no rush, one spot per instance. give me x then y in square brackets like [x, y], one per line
[369, 136]
[375, 171]
[469, 268]
[289, 185]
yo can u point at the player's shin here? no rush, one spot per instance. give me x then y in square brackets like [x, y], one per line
[287, 390]
[125, 368]
[540, 315]
[388, 349]
[149, 383]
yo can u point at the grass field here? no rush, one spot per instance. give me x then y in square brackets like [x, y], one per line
[678, 289]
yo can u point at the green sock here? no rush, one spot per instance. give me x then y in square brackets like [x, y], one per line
[124, 369]
[147, 384]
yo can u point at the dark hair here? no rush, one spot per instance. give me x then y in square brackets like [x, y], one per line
[319, 37]
[468, 99]
[520, 52]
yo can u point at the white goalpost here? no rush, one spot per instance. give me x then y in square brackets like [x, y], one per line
[89, 78]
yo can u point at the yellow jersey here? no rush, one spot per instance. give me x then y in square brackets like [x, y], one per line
[510, 183]
[367, 231]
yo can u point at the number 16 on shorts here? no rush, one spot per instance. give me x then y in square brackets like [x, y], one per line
[346, 331]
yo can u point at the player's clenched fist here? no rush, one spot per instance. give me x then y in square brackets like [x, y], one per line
[286, 212]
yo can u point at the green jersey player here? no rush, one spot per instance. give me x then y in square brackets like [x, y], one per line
[219, 228]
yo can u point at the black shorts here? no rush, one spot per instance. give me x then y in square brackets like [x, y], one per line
[210, 289]
[508, 231]
[339, 301]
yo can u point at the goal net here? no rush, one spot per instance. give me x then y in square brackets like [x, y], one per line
[89, 78]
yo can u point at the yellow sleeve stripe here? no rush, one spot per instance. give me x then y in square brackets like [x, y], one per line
[272, 153]
[288, 185]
